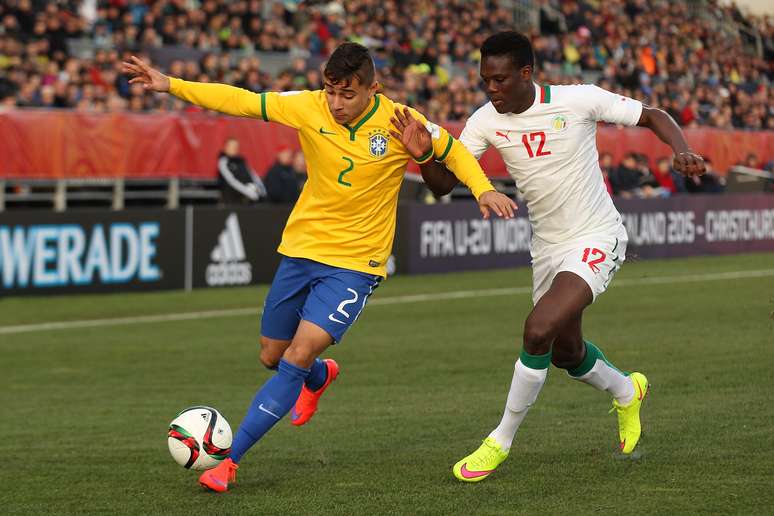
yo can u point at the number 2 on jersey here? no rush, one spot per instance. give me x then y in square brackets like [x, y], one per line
[346, 171]
[540, 152]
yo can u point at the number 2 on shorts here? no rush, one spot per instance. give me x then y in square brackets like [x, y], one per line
[344, 303]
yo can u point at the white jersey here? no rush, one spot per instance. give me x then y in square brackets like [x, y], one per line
[550, 150]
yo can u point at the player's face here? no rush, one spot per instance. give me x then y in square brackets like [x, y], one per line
[348, 101]
[508, 87]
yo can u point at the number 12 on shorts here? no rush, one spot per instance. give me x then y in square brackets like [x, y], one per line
[589, 255]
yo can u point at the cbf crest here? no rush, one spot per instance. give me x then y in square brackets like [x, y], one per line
[378, 143]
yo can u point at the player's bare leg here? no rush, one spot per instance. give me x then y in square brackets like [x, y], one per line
[318, 380]
[272, 351]
[272, 401]
[563, 302]
[308, 343]
[322, 374]
[569, 349]
[586, 363]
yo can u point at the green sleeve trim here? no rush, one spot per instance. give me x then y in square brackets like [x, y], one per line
[264, 115]
[535, 361]
[425, 157]
[447, 149]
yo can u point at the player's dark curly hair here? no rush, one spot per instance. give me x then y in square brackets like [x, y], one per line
[347, 61]
[512, 43]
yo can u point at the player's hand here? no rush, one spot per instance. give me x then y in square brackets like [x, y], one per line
[499, 203]
[150, 78]
[689, 164]
[411, 133]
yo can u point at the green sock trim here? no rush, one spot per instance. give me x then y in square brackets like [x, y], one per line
[593, 354]
[535, 361]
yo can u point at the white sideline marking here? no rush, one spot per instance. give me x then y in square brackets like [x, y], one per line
[394, 300]
[94, 323]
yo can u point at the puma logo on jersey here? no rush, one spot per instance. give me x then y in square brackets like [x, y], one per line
[504, 135]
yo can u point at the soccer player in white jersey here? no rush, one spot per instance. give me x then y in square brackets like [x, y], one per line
[547, 138]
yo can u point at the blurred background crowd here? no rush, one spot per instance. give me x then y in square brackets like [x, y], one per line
[704, 63]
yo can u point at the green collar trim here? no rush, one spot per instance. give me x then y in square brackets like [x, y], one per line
[545, 94]
[353, 130]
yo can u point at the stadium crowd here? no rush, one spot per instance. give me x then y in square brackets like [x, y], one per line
[425, 51]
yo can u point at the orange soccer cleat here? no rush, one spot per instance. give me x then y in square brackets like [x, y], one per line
[217, 478]
[306, 405]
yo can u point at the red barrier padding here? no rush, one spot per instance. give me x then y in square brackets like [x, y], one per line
[41, 144]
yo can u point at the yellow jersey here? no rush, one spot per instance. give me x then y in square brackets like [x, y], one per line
[346, 214]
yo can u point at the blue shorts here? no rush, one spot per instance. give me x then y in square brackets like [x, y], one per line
[330, 297]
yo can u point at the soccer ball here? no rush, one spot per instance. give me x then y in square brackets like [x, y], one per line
[199, 438]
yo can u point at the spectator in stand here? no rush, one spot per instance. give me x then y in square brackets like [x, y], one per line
[667, 178]
[709, 183]
[281, 182]
[299, 167]
[698, 68]
[625, 178]
[238, 183]
[752, 161]
[649, 185]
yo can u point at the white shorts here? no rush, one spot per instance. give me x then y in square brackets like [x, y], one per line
[595, 258]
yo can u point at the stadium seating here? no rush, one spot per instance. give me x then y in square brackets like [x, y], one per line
[703, 62]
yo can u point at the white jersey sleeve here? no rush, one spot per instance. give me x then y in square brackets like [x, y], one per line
[473, 138]
[604, 106]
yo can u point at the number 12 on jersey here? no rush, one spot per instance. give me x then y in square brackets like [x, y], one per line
[541, 136]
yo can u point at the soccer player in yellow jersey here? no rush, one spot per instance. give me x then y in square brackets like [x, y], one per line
[338, 238]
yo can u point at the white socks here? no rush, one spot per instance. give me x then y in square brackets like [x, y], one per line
[525, 386]
[607, 378]
[528, 379]
[596, 371]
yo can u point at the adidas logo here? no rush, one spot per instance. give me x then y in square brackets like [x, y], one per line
[228, 265]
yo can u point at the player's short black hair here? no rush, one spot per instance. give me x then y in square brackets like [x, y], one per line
[347, 61]
[511, 43]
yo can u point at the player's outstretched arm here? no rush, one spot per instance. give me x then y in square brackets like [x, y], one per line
[685, 161]
[218, 97]
[418, 141]
[439, 179]
[416, 138]
[150, 78]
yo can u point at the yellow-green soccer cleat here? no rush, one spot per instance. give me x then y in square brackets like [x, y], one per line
[479, 464]
[629, 427]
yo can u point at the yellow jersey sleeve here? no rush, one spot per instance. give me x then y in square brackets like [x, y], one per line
[287, 108]
[448, 150]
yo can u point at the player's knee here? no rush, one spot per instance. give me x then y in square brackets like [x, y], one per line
[269, 359]
[538, 336]
[300, 355]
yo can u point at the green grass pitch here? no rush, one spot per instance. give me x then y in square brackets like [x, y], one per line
[85, 409]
